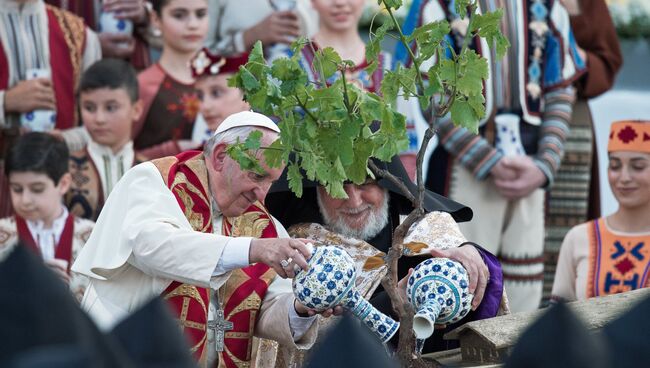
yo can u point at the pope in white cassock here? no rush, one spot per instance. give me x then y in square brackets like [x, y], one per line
[193, 229]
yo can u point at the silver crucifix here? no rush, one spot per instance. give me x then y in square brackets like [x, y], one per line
[220, 326]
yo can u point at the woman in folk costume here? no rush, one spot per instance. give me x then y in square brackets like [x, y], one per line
[34, 35]
[167, 87]
[339, 24]
[503, 171]
[575, 197]
[611, 254]
[37, 170]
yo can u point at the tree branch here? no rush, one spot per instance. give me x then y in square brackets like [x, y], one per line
[304, 107]
[395, 180]
[428, 135]
[402, 37]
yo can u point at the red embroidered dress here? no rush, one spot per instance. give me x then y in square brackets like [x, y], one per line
[170, 109]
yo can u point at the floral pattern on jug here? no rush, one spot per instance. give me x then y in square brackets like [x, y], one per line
[439, 291]
[330, 281]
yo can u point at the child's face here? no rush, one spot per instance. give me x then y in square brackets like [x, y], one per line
[184, 24]
[629, 178]
[35, 196]
[218, 101]
[108, 115]
[339, 15]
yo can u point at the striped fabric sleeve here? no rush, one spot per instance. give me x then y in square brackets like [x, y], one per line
[558, 107]
[470, 150]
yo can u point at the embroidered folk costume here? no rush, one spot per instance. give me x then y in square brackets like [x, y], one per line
[63, 240]
[95, 171]
[532, 83]
[596, 260]
[161, 233]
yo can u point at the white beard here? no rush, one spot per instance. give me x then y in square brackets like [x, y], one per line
[376, 221]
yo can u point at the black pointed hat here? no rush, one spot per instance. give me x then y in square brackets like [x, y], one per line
[349, 344]
[558, 339]
[39, 314]
[629, 337]
[151, 338]
[289, 209]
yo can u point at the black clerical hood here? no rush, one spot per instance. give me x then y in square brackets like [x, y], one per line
[558, 339]
[151, 338]
[629, 337]
[41, 321]
[289, 209]
[349, 345]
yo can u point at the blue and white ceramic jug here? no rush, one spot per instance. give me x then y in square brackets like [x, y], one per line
[439, 291]
[330, 281]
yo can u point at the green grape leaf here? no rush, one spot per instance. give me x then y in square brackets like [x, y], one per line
[329, 60]
[374, 46]
[249, 81]
[474, 69]
[309, 163]
[275, 154]
[395, 4]
[336, 190]
[463, 114]
[295, 179]
[252, 142]
[461, 7]
[429, 38]
[357, 171]
[477, 102]
[487, 25]
[298, 45]
[246, 160]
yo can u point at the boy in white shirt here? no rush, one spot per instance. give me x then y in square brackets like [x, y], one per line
[37, 169]
[109, 104]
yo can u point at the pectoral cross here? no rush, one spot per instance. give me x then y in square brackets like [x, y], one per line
[220, 326]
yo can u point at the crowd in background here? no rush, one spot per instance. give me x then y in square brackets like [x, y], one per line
[115, 83]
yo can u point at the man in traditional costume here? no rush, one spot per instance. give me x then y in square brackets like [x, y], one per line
[364, 224]
[187, 227]
[35, 35]
[611, 254]
[505, 182]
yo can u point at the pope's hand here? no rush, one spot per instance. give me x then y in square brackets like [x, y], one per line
[306, 312]
[471, 259]
[281, 254]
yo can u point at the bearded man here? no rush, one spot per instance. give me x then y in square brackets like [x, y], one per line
[363, 224]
